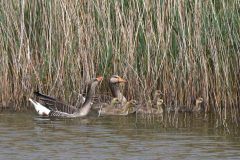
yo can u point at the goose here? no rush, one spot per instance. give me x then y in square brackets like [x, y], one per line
[55, 108]
[111, 109]
[156, 96]
[159, 106]
[156, 102]
[148, 109]
[114, 87]
[105, 107]
[57, 105]
[195, 108]
[116, 93]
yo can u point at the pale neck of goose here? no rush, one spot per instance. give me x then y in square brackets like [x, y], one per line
[87, 103]
[159, 106]
[116, 92]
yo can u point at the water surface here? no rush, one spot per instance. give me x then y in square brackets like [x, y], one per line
[27, 136]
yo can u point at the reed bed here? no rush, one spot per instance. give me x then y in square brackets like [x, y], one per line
[184, 48]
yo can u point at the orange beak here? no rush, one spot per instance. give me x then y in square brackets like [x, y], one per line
[100, 78]
[121, 80]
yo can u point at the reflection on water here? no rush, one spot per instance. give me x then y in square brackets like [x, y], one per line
[26, 136]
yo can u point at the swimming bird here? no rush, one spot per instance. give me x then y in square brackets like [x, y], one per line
[114, 87]
[159, 106]
[56, 108]
[113, 82]
[149, 108]
[128, 108]
[195, 108]
[156, 96]
[105, 107]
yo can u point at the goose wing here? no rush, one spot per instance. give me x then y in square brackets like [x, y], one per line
[54, 104]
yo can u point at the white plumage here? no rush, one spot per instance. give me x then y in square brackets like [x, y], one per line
[41, 110]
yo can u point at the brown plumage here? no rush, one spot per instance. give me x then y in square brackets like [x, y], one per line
[153, 106]
[148, 109]
[55, 104]
[111, 109]
[194, 108]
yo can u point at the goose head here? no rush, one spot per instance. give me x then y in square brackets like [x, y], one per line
[91, 87]
[199, 100]
[115, 79]
[159, 102]
[131, 103]
[115, 102]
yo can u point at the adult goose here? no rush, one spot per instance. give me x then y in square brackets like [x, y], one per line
[114, 87]
[49, 106]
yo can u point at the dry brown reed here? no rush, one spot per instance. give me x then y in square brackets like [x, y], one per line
[184, 48]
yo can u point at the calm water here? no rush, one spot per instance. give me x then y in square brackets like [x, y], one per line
[27, 136]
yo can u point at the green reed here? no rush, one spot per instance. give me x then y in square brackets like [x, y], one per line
[184, 48]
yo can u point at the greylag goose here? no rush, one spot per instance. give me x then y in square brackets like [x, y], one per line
[156, 102]
[148, 109]
[114, 87]
[105, 107]
[156, 96]
[159, 106]
[55, 108]
[195, 108]
[128, 108]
